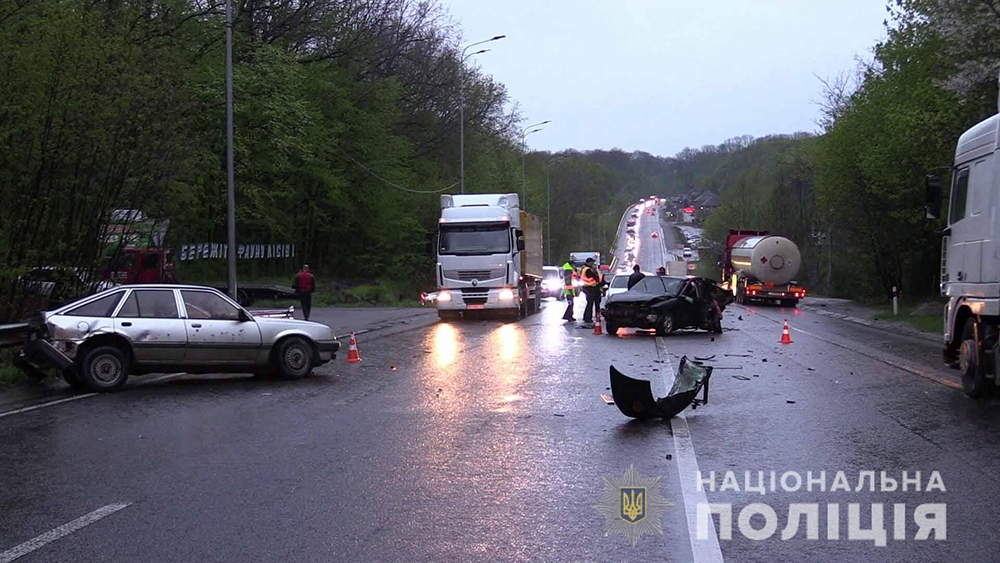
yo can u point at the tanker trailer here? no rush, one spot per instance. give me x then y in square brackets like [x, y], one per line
[759, 266]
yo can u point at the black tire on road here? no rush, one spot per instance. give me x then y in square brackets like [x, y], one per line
[665, 326]
[294, 358]
[973, 373]
[612, 329]
[103, 369]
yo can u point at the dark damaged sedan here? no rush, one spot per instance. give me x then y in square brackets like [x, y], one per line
[667, 304]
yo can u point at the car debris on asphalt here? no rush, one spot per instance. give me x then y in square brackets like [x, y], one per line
[634, 397]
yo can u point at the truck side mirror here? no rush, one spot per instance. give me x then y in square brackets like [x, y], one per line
[932, 196]
[520, 244]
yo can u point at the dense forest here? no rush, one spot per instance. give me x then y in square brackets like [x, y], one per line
[347, 130]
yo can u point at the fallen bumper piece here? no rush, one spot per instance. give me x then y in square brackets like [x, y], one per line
[634, 397]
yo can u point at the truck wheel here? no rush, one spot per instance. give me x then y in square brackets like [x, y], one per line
[294, 358]
[612, 329]
[104, 368]
[974, 381]
[665, 326]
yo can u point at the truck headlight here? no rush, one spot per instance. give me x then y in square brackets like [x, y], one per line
[506, 294]
[444, 296]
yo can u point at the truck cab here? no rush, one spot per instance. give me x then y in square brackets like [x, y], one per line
[970, 258]
[489, 256]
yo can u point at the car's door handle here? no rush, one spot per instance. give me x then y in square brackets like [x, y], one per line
[196, 325]
[126, 323]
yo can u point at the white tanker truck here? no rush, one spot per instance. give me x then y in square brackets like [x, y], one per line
[759, 266]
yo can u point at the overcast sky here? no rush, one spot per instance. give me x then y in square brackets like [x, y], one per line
[661, 75]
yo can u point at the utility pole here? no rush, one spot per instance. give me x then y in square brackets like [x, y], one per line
[230, 174]
[461, 104]
[524, 134]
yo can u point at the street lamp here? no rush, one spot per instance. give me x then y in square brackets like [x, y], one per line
[524, 134]
[230, 174]
[548, 205]
[461, 104]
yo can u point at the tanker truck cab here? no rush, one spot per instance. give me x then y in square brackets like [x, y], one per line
[489, 256]
[970, 258]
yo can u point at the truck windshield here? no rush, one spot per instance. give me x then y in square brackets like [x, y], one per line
[493, 238]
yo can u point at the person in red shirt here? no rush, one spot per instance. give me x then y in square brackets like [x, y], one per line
[304, 285]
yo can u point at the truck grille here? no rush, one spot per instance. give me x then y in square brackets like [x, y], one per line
[469, 275]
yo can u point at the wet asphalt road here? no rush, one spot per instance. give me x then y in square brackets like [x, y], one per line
[490, 442]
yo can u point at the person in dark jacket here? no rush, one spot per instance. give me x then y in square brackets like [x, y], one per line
[661, 271]
[635, 277]
[304, 285]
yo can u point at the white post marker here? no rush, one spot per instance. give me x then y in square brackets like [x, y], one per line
[60, 532]
[895, 302]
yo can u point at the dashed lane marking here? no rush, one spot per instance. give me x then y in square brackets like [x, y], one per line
[60, 532]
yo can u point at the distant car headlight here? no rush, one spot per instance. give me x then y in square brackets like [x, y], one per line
[506, 294]
[444, 296]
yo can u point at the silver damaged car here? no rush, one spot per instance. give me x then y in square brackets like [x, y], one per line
[98, 341]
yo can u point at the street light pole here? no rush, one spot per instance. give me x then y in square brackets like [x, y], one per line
[524, 135]
[548, 206]
[461, 103]
[230, 174]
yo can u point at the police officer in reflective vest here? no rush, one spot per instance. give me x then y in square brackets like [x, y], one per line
[569, 274]
[591, 288]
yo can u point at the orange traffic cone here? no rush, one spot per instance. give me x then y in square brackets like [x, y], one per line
[597, 323]
[786, 337]
[352, 351]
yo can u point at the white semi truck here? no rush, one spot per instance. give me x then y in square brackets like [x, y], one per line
[970, 257]
[489, 256]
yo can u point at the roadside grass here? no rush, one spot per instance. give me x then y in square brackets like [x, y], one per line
[9, 375]
[384, 294]
[926, 322]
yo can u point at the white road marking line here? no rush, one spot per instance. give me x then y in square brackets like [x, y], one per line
[703, 551]
[707, 550]
[48, 404]
[60, 532]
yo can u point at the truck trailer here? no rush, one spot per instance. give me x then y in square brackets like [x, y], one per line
[759, 266]
[489, 256]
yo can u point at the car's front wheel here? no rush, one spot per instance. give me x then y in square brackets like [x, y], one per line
[666, 325]
[612, 329]
[294, 358]
[104, 368]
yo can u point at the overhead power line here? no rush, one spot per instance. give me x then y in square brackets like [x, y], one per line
[388, 182]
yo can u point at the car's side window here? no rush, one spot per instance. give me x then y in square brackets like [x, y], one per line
[102, 307]
[131, 307]
[209, 306]
[150, 304]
